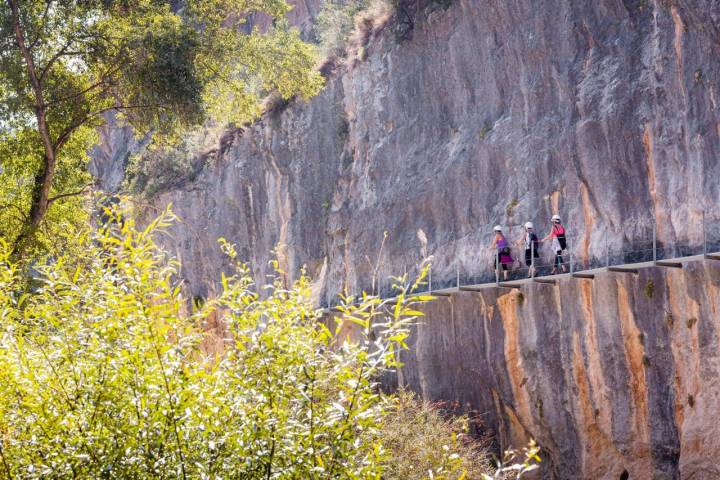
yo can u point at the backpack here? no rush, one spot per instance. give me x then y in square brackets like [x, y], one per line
[560, 234]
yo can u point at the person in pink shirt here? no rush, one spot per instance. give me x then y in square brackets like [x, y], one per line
[558, 244]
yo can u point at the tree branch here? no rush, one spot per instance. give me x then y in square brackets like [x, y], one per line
[63, 138]
[69, 194]
[34, 43]
[23, 215]
[123, 107]
[56, 57]
[78, 94]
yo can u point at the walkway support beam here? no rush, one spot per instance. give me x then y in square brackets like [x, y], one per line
[668, 263]
[589, 276]
[623, 270]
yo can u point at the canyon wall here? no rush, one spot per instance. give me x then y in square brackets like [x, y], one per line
[482, 113]
[463, 114]
[619, 373]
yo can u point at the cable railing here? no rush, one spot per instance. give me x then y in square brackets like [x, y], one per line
[644, 247]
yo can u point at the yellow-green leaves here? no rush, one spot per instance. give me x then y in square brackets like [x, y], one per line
[162, 70]
[106, 372]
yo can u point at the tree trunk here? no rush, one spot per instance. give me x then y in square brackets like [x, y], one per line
[44, 178]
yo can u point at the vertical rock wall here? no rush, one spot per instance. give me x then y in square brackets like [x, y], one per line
[617, 373]
[484, 113]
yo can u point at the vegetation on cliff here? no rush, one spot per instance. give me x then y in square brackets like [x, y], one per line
[65, 64]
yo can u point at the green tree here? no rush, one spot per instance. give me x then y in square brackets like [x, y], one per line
[335, 23]
[66, 63]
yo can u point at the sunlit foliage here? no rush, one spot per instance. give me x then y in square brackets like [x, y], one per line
[103, 374]
[106, 373]
[65, 63]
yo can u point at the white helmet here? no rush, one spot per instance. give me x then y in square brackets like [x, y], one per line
[497, 228]
[529, 225]
[555, 218]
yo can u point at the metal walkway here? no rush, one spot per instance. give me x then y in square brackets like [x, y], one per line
[629, 268]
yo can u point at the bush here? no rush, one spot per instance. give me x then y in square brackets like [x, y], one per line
[160, 167]
[344, 25]
[335, 23]
[105, 374]
[429, 443]
[426, 443]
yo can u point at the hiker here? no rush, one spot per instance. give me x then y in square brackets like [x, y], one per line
[557, 234]
[503, 255]
[531, 248]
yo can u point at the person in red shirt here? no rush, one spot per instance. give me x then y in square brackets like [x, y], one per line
[559, 243]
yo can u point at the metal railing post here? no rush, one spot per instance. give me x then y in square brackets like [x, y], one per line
[430, 278]
[654, 241]
[570, 253]
[705, 250]
[497, 267]
[607, 250]
[532, 258]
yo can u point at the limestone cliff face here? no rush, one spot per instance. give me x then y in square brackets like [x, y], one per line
[483, 113]
[615, 374]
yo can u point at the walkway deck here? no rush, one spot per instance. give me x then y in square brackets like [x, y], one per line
[552, 280]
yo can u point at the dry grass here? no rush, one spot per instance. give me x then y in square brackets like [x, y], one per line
[368, 21]
[344, 29]
[425, 442]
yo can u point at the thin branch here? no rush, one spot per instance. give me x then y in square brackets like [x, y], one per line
[78, 94]
[69, 194]
[124, 107]
[63, 52]
[63, 138]
[5, 462]
[55, 58]
[23, 215]
[68, 131]
[172, 407]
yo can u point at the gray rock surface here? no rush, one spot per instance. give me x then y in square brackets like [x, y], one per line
[109, 158]
[607, 375]
[490, 112]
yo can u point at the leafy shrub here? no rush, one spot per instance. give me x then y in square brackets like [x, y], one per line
[346, 24]
[105, 374]
[163, 166]
[649, 289]
[426, 443]
[102, 375]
